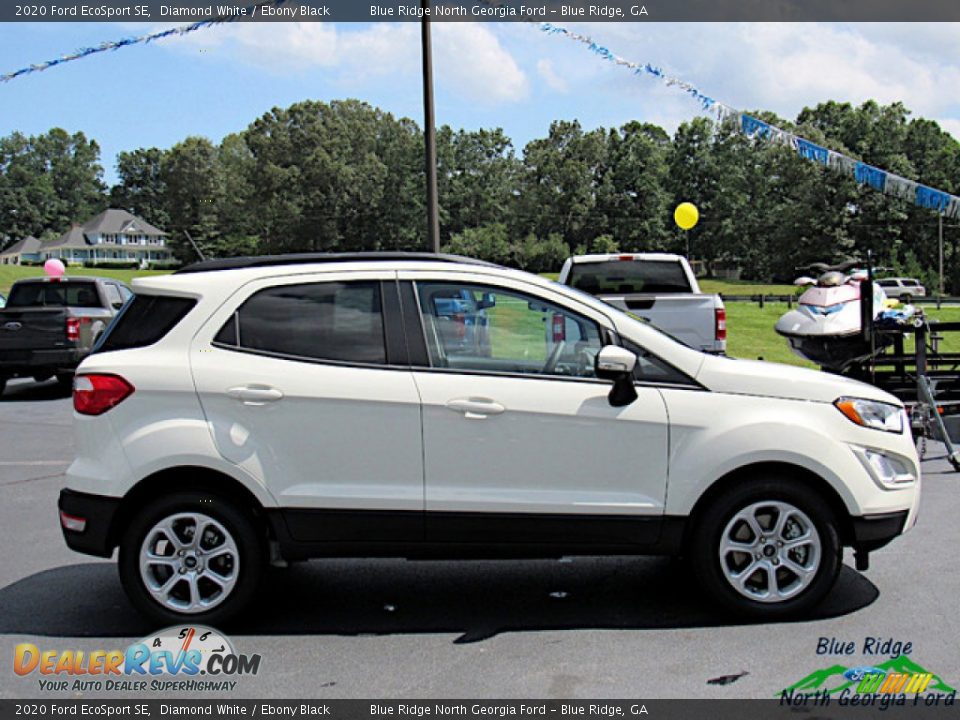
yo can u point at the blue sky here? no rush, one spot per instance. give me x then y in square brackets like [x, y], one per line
[508, 75]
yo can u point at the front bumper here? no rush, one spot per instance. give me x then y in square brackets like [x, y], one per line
[871, 532]
[97, 513]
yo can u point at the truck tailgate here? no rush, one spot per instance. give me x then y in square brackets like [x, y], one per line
[32, 328]
[688, 317]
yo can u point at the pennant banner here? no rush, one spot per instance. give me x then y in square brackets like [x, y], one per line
[885, 182]
[111, 45]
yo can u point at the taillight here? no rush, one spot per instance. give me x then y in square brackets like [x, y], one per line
[721, 324]
[559, 328]
[95, 394]
[73, 329]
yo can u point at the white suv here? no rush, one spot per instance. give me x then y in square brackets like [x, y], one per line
[254, 411]
[904, 289]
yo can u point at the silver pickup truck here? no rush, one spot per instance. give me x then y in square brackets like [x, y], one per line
[49, 325]
[658, 287]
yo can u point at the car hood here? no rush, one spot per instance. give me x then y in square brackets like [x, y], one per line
[768, 379]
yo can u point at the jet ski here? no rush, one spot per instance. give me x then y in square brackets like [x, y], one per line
[825, 327]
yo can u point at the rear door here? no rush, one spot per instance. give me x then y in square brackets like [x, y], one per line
[520, 442]
[305, 386]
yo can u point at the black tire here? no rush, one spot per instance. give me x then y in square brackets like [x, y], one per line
[906, 299]
[250, 544]
[704, 547]
[65, 380]
[3, 384]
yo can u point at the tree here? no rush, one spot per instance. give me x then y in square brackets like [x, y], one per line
[48, 182]
[478, 175]
[322, 181]
[142, 189]
[634, 198]
[562, 176]
[193, 177]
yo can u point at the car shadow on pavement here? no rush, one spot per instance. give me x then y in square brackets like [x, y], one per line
[33, 391]
[477, 599]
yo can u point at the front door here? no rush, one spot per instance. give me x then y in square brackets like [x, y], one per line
[520, 442]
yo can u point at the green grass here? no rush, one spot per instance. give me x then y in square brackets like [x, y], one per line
[744, 287]
[9, 274]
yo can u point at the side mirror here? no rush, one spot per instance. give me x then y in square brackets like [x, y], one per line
[617, 364]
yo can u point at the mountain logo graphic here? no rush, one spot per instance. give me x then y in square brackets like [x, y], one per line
[897, 675]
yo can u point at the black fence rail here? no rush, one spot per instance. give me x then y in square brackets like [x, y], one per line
[762, 299]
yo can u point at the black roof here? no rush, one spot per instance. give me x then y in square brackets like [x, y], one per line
[305, 258]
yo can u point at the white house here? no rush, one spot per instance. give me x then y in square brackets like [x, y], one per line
[113, 236]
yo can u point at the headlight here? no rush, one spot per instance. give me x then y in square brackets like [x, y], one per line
[888, 470]
[872, 414]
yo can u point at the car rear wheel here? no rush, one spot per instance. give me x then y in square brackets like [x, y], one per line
[906, 299]
[191, 555]
[768, 549]
[3, 384]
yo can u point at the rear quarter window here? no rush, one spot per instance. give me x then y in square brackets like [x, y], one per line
[144, 320]
[338, 321]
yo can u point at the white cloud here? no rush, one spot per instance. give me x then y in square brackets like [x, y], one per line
[550, 76]
[784, 66]
[468, 58]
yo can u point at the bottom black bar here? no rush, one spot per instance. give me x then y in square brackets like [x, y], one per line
[924, 705]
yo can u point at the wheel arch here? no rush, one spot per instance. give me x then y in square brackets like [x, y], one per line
[186, 478]
[774, 470]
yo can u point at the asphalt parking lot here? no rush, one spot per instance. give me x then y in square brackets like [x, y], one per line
[587, 628]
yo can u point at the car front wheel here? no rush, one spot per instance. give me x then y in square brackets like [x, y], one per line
[768, 549]
[191, 555]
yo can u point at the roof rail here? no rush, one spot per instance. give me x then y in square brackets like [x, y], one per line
[237, 263]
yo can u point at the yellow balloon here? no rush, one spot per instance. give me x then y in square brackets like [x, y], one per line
[686, 215]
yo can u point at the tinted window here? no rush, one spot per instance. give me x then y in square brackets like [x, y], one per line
[887, 283]
[324, 321]
[54, 294]
[143, 321]
[481, 328]
[629, 276]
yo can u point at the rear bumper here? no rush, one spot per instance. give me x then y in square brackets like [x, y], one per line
[26, 362]
[97, 513]
[874, 531]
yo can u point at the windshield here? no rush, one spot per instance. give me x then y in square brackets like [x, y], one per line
[629, 276]
[48, 294]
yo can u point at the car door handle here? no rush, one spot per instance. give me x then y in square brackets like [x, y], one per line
[476, 408]
[255, 394]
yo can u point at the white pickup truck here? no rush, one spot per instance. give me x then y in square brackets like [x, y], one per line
[657, 287]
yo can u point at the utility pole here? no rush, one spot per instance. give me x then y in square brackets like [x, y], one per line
[940, 245]
[429, 130]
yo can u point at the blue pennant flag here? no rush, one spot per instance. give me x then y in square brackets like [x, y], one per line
[929, 197]
[812, 151]
[751, 126]
[869, 175]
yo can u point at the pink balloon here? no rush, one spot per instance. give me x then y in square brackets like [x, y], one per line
[54, 268]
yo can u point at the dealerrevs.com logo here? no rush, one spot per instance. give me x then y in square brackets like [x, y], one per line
[187, 658]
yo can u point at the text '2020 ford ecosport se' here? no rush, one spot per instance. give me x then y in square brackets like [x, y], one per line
[243, 412]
